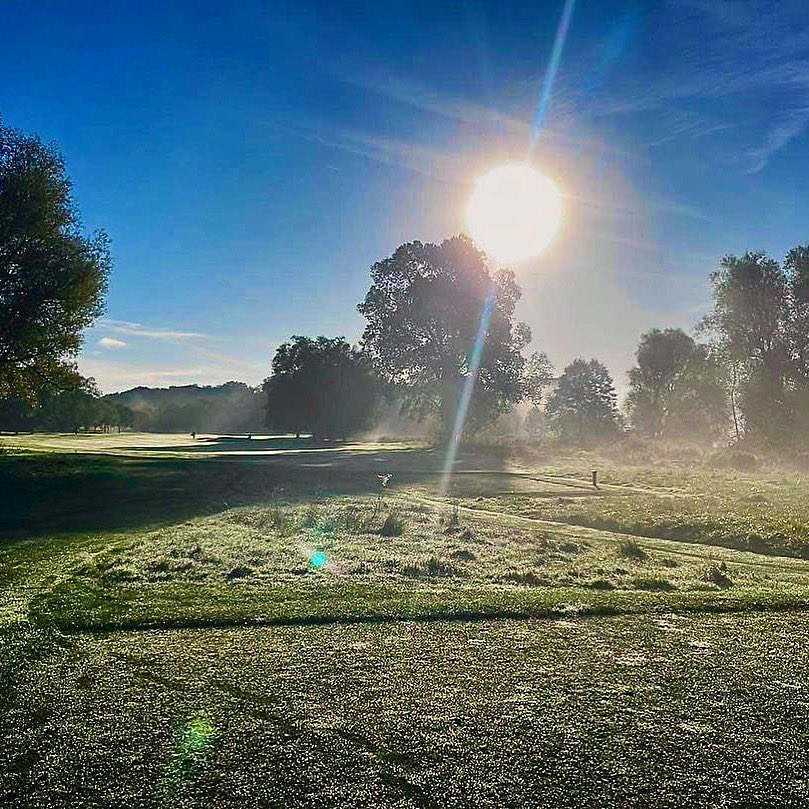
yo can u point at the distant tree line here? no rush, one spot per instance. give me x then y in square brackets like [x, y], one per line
[441, 336]
[80, 407]
[744, 373]
[233, 407]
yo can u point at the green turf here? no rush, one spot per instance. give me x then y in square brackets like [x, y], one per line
[134, 567]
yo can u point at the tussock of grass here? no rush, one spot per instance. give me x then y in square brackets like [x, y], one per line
[451, 520]
[630, 549]
[528, 578]
[393, 525]
[354, 521]
[654, 583]
[433, 567]
[310, 516]
[718, 575]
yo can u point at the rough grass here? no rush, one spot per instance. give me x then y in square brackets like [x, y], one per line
[309, 544]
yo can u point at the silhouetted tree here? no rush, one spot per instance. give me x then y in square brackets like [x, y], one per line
[320, 386]
[583, 406]
[424, 312]
[15, 415]
[676, 388]
[52, 277]
[126, 417]
[70, 410]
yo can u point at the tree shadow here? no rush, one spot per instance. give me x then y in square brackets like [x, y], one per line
[63, 493]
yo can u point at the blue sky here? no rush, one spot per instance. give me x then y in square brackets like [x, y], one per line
[251, 160]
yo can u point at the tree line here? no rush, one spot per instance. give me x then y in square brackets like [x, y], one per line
[440, 324]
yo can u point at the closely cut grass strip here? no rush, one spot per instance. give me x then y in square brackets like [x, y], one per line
[77, 606]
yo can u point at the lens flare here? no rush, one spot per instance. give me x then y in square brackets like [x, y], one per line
[318, 560]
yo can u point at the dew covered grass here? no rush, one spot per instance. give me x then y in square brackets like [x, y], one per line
[695, 710]
[271, 626]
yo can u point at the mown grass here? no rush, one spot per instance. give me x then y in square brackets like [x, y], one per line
[764, 513]
[697, 710]
[272, 631]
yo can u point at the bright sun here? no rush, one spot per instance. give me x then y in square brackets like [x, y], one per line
[514, 213]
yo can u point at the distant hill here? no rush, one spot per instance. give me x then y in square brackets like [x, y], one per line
[230, 408]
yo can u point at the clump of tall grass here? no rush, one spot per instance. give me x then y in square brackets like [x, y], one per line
[718, 575]
[310, 516]
[653, 583]
[431, 568]
[354, 521]
[630, 549]
[279, 520]
[393, 525]
[451, 522]
[526, 578]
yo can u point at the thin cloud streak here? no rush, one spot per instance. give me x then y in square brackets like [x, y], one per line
[752, 55]
[138, 330]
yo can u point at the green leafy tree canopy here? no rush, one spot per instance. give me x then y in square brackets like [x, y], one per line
[584, 406]
[676, 387]
[52, 277]
[320, 386]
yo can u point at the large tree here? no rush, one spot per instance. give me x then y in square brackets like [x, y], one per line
[424, 312]
[676, 387]
[52, 276]
[320, 386]
[584, 406]
[751, 321]
[796, 268]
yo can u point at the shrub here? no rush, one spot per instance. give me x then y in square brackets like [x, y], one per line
[738, 460]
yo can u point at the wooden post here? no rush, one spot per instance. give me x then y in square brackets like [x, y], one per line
[595, 478]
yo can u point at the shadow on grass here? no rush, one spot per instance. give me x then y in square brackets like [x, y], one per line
[51, 494]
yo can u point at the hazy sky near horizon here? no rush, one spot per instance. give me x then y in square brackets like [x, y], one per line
[251, 160]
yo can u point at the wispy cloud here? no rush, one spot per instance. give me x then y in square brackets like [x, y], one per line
[429, 99]
[431, 161]
[163, 356]
[111, 342]
[790, 125]
[139, 330]
[752, 55]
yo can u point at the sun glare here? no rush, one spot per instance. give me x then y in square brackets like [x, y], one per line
[514, 213]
